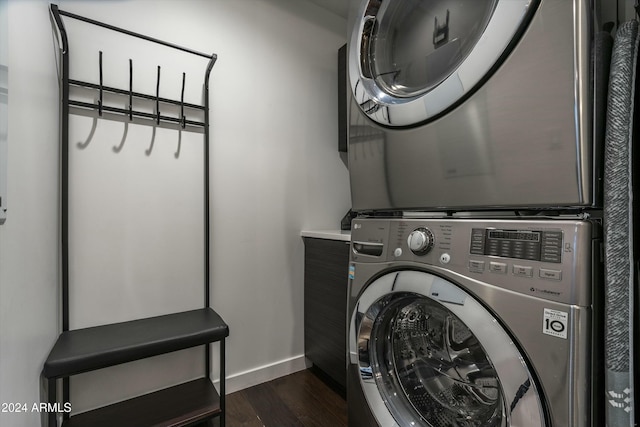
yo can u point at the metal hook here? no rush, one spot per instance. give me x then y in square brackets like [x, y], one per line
[130, 90]
[183, 121]
[158, 98]
[100, 100]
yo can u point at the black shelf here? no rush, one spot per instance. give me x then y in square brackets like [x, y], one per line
[83, 350]
[178, 406]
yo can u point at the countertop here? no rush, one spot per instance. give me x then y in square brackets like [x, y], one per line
[344, 236]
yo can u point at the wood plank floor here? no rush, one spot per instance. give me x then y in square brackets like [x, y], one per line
[302, 399]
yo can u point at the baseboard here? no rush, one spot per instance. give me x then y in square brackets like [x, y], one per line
[265, 373]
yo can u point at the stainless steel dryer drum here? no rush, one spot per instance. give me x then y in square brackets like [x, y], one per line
[473, 323]
[474, 104]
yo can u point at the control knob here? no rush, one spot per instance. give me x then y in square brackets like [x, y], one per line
[420, 241]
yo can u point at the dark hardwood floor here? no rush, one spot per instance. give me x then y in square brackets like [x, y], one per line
[302, 399]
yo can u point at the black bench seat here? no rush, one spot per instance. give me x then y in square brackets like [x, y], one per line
[87, 349]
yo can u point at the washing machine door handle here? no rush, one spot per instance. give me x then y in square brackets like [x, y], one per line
[368, 33]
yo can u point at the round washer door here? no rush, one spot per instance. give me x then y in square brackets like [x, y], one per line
[413, 60]
[431, 355]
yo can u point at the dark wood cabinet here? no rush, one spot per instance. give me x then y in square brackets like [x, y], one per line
[325, 306]
[343, 100]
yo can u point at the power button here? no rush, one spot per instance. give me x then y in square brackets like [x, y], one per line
[445, 258]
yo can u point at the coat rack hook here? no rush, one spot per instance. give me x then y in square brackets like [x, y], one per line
[100, 100]
[183, 121]
[130, 89]
[158, 98]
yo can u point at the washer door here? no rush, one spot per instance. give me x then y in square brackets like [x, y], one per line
[429, 354]
[412, 60]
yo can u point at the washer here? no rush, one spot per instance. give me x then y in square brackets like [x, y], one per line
[465, 104]
[487, 323]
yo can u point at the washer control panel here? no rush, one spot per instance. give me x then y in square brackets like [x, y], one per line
[532, 245]
[546, 258]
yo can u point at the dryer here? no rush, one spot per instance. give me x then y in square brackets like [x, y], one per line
[475, 104]
[474, 323]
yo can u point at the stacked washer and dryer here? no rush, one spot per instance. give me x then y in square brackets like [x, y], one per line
[475, 159]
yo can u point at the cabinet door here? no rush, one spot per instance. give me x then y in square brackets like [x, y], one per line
[325, 305]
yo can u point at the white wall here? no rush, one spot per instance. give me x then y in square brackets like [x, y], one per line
[4, 119]
[29, 238]
[135, 229]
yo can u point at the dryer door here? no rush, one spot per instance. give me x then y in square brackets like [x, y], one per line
[411, 60]
[431, 355]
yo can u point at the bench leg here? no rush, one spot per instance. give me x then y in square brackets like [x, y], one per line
[222, 385]
[51, 398]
